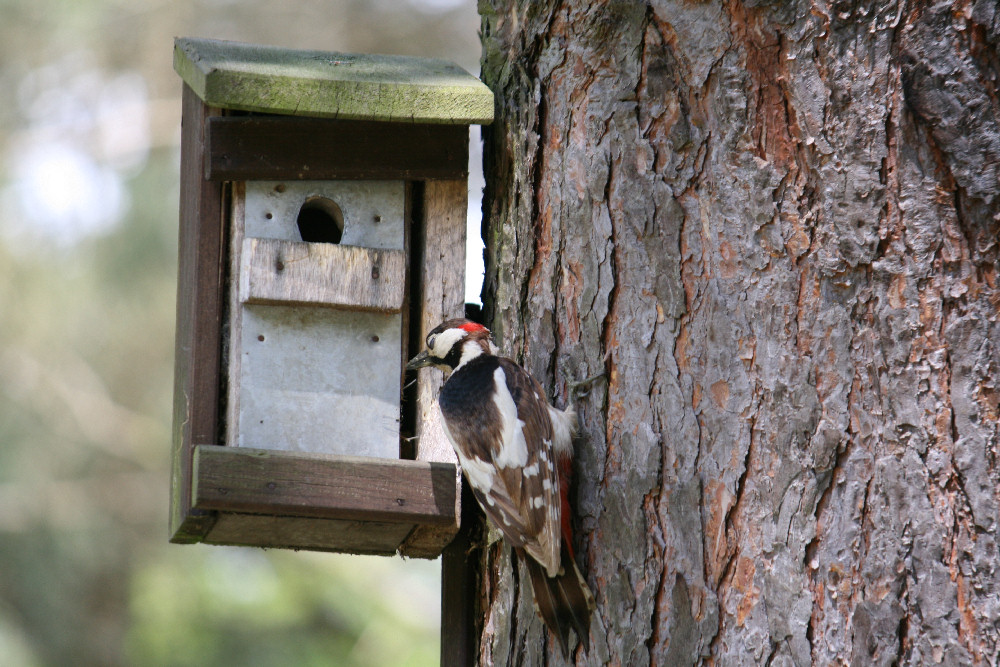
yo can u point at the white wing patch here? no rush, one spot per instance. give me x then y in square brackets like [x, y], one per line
[480, 475]
[513, 451]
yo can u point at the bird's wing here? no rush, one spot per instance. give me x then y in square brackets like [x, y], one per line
[509, 462]
[526, 463]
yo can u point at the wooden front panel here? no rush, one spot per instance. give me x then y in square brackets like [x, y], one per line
[304, 376]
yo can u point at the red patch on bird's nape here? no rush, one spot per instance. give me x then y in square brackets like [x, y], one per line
[472, 327]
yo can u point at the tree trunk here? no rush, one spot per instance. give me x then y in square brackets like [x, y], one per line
[775, 227]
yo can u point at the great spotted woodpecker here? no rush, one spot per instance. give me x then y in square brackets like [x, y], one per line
[516, 453]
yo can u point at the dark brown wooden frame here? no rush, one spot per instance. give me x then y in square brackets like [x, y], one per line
[272, 148]
[267, 498]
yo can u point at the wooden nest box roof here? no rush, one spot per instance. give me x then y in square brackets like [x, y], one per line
[347, 86]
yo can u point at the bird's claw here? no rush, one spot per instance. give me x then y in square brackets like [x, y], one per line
[580, 388]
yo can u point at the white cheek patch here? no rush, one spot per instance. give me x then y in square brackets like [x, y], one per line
[513, 451]
[444, 341]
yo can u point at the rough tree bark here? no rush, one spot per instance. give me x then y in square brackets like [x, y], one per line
[775, 226]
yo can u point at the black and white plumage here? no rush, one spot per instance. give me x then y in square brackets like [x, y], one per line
[516, 453]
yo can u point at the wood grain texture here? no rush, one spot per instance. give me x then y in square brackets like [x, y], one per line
[277, 272]
[775, 227]
[199, 319]
[461, 561]
[442, 296]
[234, 325]
[440, 292]
[286, 148]
[264, 481]
[291, 532]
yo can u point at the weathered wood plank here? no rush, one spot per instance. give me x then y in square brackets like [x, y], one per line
[275, 271]
[441, 294]
[460, 571]
[260, 481]
[285, 148]
[199, 319]
[292, 532]
[234, 362]
[269, 79]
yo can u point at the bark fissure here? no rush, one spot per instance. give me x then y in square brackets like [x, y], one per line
[541, 236]
[903, 629]
[734, 510]
[515, 640]
[610, 318]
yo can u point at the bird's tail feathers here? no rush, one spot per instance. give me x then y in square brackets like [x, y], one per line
[564, 601]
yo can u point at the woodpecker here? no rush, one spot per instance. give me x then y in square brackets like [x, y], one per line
[516, 453]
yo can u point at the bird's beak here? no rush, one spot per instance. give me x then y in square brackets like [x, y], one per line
[419, 361]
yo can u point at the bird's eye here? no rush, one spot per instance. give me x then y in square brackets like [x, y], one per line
[430, 342]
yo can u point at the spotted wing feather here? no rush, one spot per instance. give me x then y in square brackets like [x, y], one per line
[505, 449]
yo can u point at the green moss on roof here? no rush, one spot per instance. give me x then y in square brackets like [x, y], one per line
[267, 79]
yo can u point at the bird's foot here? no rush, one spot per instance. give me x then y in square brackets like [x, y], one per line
[580, 388]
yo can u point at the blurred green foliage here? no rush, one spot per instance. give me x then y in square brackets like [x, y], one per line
[248, 607]
[88, 227]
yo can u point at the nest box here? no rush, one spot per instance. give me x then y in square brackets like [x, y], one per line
[322, 235]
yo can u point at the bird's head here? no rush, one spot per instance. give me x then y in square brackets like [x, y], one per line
[453, 343]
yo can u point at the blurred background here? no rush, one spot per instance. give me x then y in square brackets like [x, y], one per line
[89, 159]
